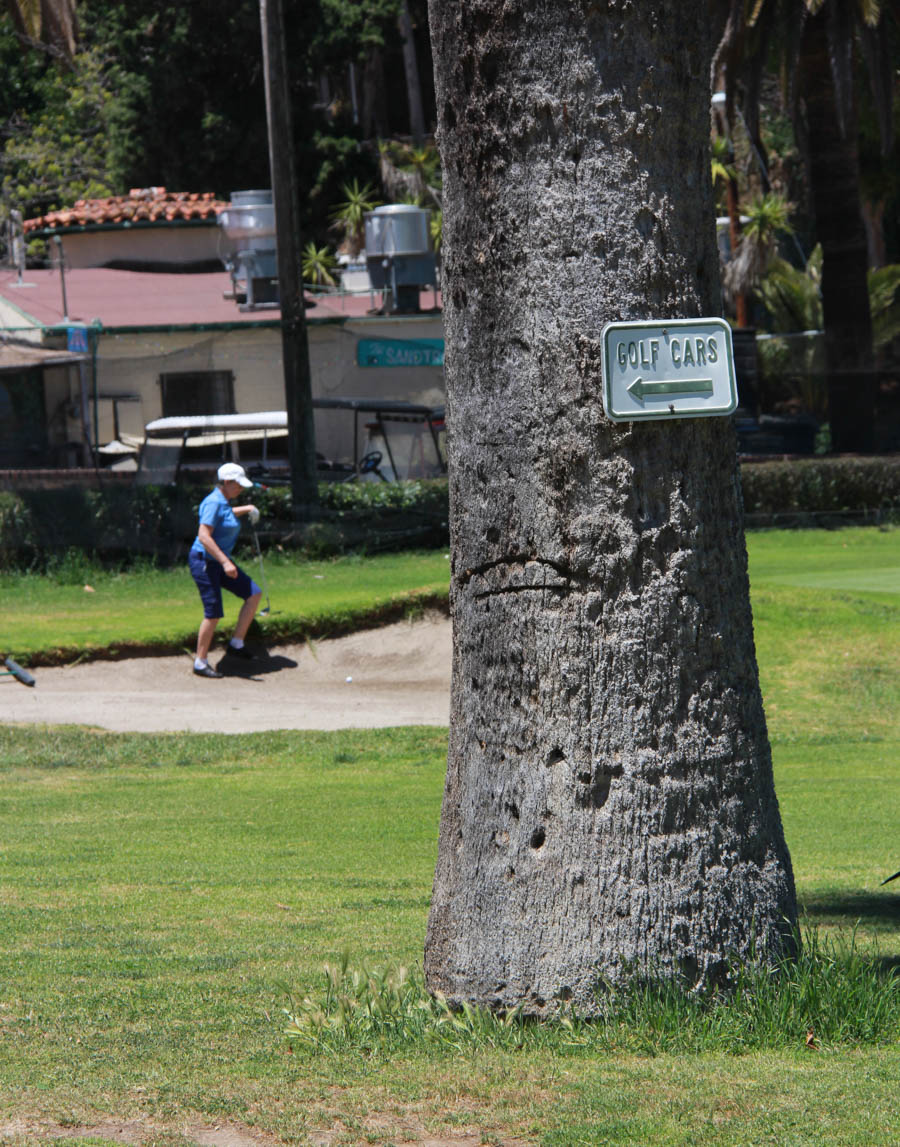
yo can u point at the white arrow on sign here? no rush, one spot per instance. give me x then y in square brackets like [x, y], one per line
[641, 389]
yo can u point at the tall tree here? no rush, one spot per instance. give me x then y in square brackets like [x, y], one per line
[294, 338]
[609, 804]
[411, 70]
[818, 45]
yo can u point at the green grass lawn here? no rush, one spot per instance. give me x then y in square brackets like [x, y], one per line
[158, 892]
[56, 618]
[49, 620]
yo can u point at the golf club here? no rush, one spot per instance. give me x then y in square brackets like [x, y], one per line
[262, 572]
[13, 669]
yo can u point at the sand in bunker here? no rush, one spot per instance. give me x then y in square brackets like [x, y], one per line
[399, 675]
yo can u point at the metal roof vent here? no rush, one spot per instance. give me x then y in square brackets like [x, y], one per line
[249, 250]
[399, 256]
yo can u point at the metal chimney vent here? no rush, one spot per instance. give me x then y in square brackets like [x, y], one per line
[248, 248]
[399, 255]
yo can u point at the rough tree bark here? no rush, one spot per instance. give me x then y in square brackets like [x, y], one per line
[609, 803]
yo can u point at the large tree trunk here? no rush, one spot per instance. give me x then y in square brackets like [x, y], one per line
[833, 160]
[609, 803]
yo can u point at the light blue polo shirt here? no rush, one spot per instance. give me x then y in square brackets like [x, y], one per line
[216, 512]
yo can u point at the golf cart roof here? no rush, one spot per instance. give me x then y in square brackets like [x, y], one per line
[185, 443]
[378, 406]
[209, 423]
[262, 420]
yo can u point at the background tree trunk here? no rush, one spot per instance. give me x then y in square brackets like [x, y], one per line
[374, 103]
[609, 802]
[294, 340]
[411, 68]
[833, 161]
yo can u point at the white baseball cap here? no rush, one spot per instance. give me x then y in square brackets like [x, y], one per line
[231, 472]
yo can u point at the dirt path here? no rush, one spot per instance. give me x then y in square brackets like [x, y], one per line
[398, 675]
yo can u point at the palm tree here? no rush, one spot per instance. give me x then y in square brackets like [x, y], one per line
[436, 230]
[603, 816]
[767, 217]
[722, 165]
[793, 297]
[819, 42]
[349, 217]
[411, 68]
[723, 171]
[318, 264]
[411, 174]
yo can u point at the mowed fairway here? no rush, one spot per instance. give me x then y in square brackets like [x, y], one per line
[159, 895]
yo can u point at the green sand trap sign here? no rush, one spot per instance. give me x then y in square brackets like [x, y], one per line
[679, 368]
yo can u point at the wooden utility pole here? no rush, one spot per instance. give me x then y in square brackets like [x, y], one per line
[294, 343]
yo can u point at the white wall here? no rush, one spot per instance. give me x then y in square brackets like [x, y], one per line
[179, 245]
[130, 364]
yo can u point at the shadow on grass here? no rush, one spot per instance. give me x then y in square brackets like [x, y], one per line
[848, 907]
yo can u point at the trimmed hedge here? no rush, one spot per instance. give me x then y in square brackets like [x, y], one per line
[116, 524]
[38, 527]
[822, 486]
[359, 515]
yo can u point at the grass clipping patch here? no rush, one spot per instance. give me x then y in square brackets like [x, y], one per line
[828, 996]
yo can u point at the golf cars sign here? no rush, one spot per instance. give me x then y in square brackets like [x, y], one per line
[679, 368]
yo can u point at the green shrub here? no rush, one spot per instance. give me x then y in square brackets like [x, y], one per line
[44, 530]
[119, 525]
[40, 529]
[358, 515]
[822, 485]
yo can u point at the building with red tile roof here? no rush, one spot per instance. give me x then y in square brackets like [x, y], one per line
[157, 341]
[148, 205]
[163, 343]
[147, 229]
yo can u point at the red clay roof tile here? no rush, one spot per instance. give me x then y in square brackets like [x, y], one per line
[152, 204]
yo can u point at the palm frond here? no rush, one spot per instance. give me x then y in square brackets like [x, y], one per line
[884, 301]
[317, 265]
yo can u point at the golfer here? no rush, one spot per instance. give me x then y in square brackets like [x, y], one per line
[213, 570]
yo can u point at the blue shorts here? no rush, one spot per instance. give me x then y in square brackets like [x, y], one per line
[211, 579]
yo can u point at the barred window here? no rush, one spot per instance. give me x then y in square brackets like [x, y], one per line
[197, 392]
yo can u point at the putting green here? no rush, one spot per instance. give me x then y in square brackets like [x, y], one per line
[856, 560]
[885, 580]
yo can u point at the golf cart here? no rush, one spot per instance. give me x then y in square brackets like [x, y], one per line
[402, 440]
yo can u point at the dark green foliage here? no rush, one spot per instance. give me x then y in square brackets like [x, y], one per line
[21, 71]
[55, 148]
[197, 65]
[105, 124]
[117, 524]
